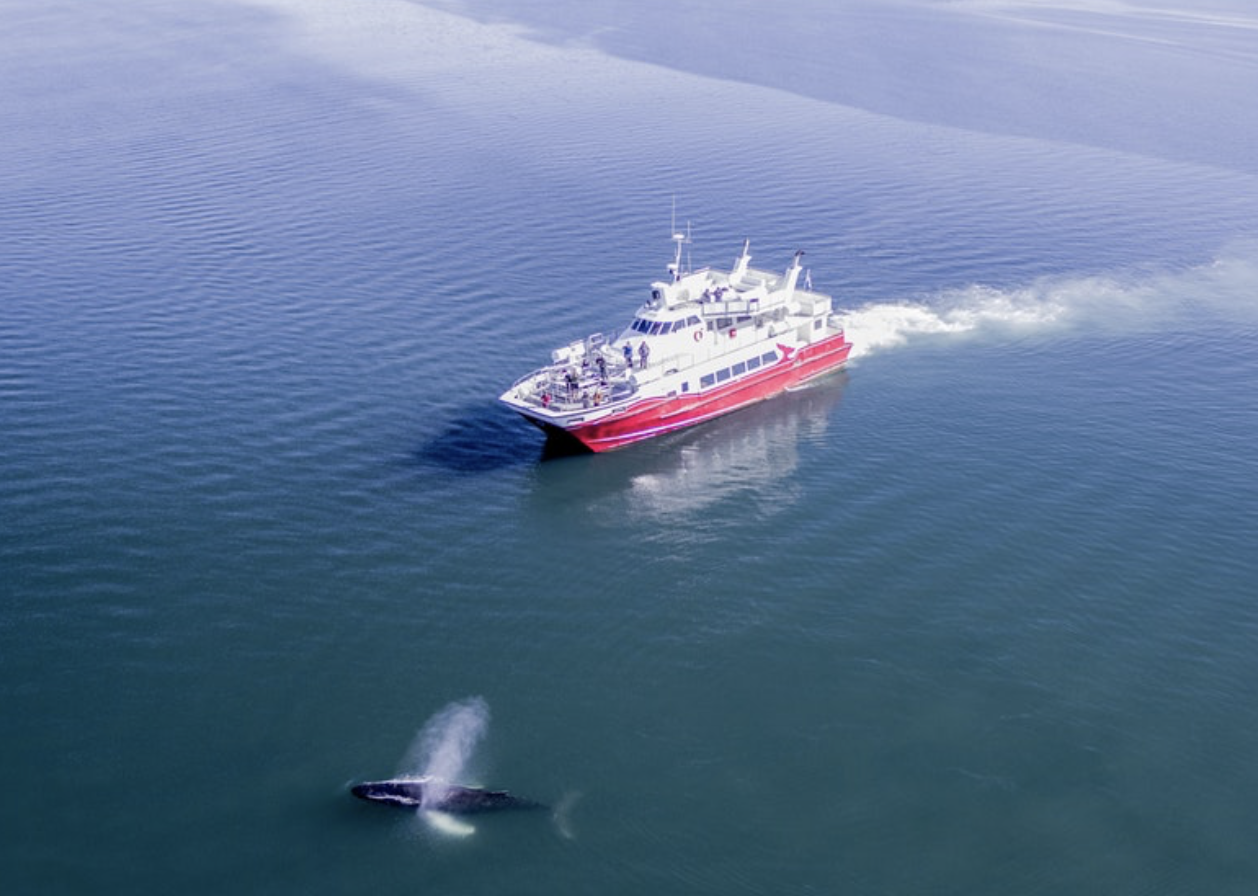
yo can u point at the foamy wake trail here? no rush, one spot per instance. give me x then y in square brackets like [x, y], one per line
[444, 745]
[884, 325]
[1224, 287]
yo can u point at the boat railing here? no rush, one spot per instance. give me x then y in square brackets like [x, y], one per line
[746, 303]
[569, 386]
[729, 307]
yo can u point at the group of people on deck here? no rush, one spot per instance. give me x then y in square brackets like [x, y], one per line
[573, 378]
[644, 353]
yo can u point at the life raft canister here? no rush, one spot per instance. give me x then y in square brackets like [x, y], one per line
[699, 335]
[732, 332]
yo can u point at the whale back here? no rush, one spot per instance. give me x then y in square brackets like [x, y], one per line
[421, 793]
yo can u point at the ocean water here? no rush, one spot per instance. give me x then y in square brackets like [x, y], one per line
[975, 616]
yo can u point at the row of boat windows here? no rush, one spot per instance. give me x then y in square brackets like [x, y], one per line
[720, 376]
[660, 327]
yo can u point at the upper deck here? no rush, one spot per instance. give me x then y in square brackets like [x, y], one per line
[743, 291]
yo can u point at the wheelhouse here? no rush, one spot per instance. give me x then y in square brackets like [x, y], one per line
[646, 326]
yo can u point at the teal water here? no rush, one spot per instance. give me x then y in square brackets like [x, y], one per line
[975, 616]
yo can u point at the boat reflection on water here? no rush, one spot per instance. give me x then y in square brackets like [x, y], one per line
[749, 454]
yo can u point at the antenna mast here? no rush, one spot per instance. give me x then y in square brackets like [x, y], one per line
[680, 239]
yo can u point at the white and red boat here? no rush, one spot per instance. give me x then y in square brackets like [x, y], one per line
[706, 343]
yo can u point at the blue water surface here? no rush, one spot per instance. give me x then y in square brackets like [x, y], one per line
[974, 616]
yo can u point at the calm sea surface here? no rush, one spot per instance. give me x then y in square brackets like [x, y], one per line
[979, 615]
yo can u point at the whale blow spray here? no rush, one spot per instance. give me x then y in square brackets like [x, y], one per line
[441, 750]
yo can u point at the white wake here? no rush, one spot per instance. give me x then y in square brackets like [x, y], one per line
[1225, 288]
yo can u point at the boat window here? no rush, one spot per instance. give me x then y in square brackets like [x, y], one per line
[769, 357]
[655, 328]
[740, 368]
[707, 380]
[722, 375]
[753, 363]
[667, 328]
[816, 324]
[692, 320]
[640, 325]
[685, 387]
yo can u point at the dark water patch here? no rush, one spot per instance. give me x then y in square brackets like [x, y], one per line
[484, 437]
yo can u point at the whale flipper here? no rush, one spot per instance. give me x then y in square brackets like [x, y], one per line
[446, 823]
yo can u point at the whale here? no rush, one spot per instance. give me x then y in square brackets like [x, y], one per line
[439, 796]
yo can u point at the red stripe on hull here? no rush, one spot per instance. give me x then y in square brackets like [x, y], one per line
[657, 416]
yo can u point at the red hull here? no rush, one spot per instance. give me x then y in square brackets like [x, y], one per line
[657, 416]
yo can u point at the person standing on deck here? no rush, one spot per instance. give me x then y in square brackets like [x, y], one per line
[644, 352]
